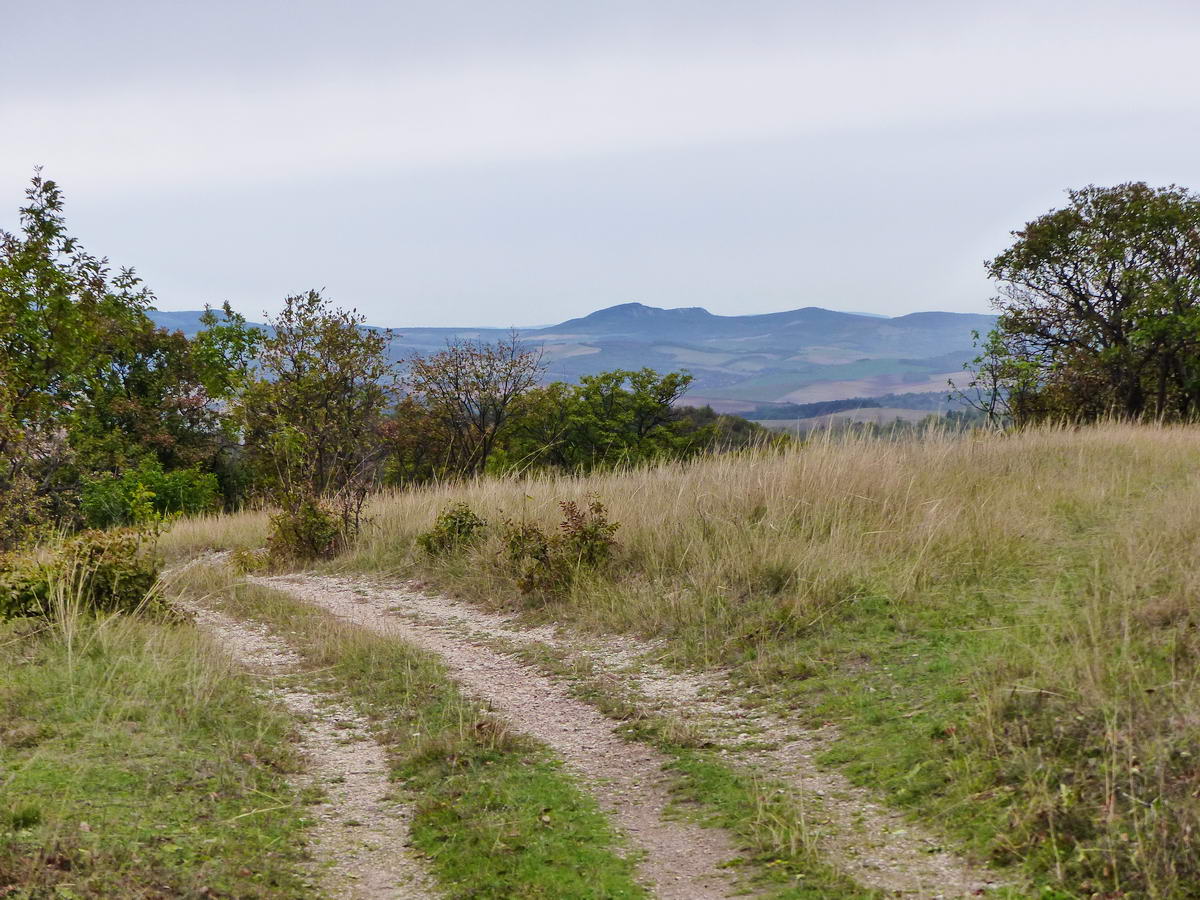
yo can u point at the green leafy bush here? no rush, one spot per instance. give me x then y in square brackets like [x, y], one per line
[147, 493]
[109, 571]
[548, 564]
[586, 534]
[306, 529]
[455, 527]
[24, 586]
[112, 570]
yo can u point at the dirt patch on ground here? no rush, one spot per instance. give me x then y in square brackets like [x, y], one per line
[874, 845]
[361, 832]
[681, 860]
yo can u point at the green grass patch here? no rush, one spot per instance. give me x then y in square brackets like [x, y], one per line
[769, 819]
[139, 763]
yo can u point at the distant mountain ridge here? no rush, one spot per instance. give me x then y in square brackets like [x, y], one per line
[739, 362]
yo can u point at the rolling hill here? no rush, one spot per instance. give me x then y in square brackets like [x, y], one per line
[739, 362]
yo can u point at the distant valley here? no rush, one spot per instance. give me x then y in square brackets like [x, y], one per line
[740, 363]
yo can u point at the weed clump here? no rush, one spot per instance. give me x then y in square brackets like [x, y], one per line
[308, 529]
[456, 527]
[247, 562]
[548, 564]
[103, 571]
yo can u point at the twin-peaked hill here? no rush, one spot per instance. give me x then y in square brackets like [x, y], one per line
[801, 355]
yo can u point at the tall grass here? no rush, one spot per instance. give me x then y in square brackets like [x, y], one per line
[136, 761]
[1003, 627]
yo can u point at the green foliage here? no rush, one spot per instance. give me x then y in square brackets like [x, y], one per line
[312, 409]
[23, 508]
[1100, 308]
[614, 418]
[147, 494]
[311, 416]
[116, 570]
[456, 526]
[88, 384]
[24, 586]
[306, 529]
[94, 571]
[547, 565]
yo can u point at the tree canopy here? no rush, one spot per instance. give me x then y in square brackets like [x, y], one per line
[1100, 307]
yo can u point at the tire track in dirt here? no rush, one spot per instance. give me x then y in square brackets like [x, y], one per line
[874, 845]
[361, 835]
[681, 860]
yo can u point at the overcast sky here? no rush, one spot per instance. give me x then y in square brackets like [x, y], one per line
[487, 162]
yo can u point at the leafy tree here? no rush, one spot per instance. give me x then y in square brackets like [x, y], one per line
[88, 384]
[709, 430]
[607, 419]
[65, 316]
[165, 397]
[1100, 306]
[420, 445]
[471, 390]
[312, 411]
[1001, 387]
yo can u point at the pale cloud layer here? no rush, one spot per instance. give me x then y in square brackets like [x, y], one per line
[489, 163]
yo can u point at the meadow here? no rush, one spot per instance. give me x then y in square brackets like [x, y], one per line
[1001, 628]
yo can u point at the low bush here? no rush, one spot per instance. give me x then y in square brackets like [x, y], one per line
[307, 529]
[586, 534]
[112, 570]
[24, 585]
[247, 561]
[456, 526]
[147, 493]
[107, 571]
[548, 564]
[534, 560]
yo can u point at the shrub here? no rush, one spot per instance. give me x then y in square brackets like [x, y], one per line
[456, 527]
[587, 535]
[535, 560]
[146, 493]
[109, 571]
[548, 564]
[24, 586]
[307, 529]
[23, 511]
[247, 562]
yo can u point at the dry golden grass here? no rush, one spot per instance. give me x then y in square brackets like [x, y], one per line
[1004, 627]
[197, 534]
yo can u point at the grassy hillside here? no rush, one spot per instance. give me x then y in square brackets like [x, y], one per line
[1002, 629]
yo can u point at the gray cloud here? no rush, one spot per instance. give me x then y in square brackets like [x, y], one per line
[511, 163]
